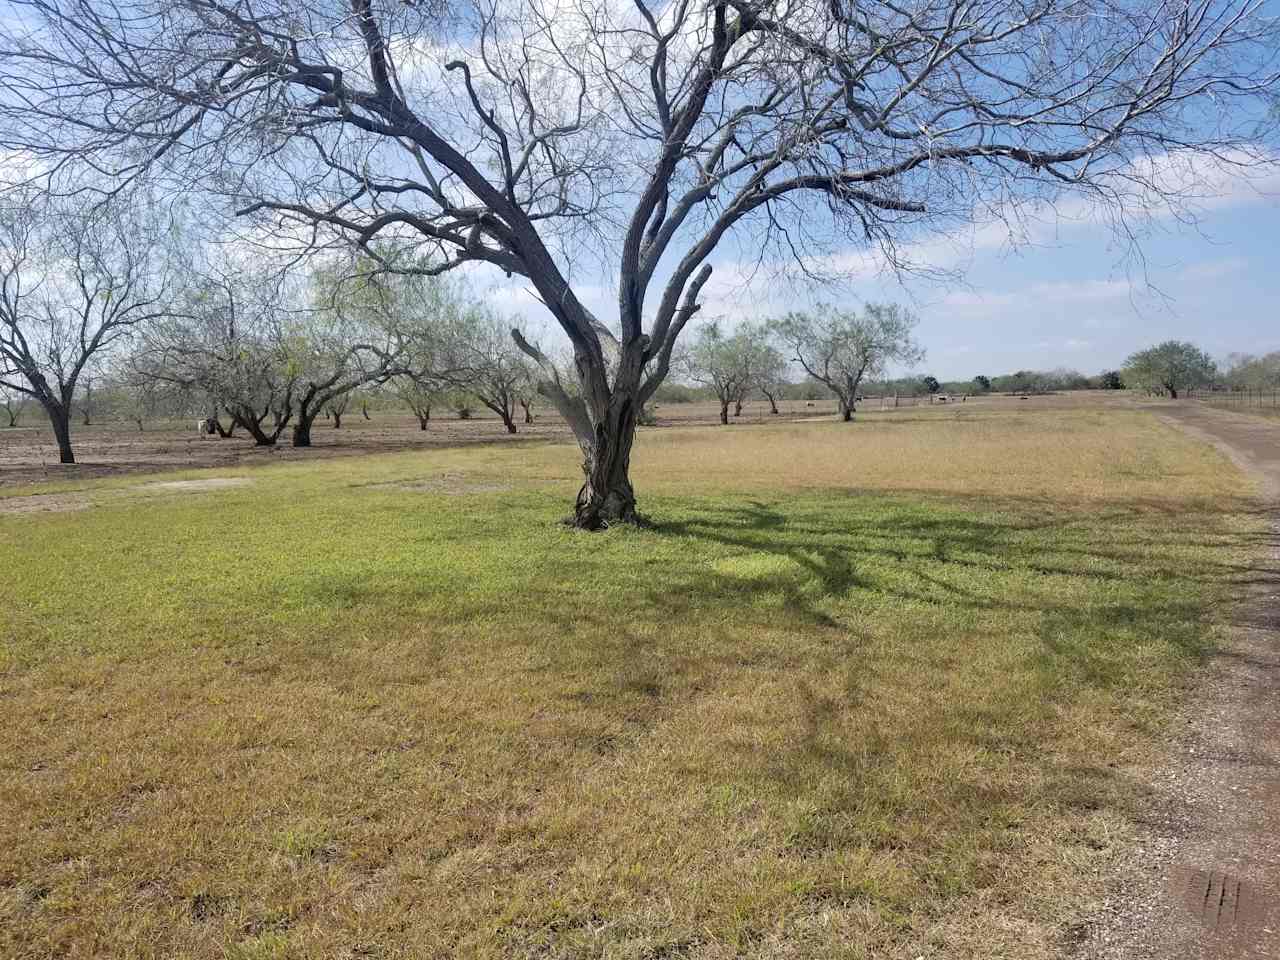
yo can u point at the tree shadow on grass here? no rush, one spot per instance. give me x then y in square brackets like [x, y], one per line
[1117, 541]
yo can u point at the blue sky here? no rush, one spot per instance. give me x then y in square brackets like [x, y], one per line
[1060, 294]
[1077, 303]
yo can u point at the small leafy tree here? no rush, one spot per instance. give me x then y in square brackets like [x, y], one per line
[1173, 366]
[484, 360]
[336, 408]
[931, 384]
[841, 348]
[1111, 380]
[725, 363]
[982, 383]
[419, 393]
[13, 404]
[772, 374]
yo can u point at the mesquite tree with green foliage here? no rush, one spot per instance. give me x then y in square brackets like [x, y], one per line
[1172, 366]
[842, 348]
[730, 364]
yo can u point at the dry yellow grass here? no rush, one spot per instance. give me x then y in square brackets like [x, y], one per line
[866, 691]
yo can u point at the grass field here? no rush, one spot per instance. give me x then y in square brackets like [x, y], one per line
[865, 690]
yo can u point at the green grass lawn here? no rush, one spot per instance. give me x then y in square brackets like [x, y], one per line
[864, 691]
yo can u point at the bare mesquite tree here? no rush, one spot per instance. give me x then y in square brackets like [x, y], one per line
[273, 350]
[221, 349]
[363, 329]
[75, 282]
[483, 360]
[555, 141]
[336, 409]
[841, 348]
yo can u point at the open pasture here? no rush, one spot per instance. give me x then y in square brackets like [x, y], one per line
[29, 453]
[863, 690]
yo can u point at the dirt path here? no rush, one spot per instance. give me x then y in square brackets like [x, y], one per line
[1205, 880]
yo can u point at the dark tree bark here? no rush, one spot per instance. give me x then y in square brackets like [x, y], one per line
[252, 421]
[724, 412]
[737, 407]
[337, 420]
[225, 433]
[364, 409]
[302, 429]
[606, 497]
[528, 410]
[60, 420]
[503, 406]
[773, 403]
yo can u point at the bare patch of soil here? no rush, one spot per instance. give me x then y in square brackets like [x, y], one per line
[45, 503]
[195, 486]
[453, 485]
[28, 455]
[68, 502]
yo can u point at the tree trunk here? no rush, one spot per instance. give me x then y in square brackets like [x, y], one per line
[60, 419]
[1173, 393]
[508, 422]
[424, 418]
[724, 412]
[737, 408]
[302, 429]
[773, 404]
[607, 497]
[846, 411]
[528, 412]
[337, 420]
[253, 424]
[364, 409]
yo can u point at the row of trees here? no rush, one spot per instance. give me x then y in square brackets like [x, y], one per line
[1252, 372]
[1176, 366]
[837, 348]
[120, 295]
